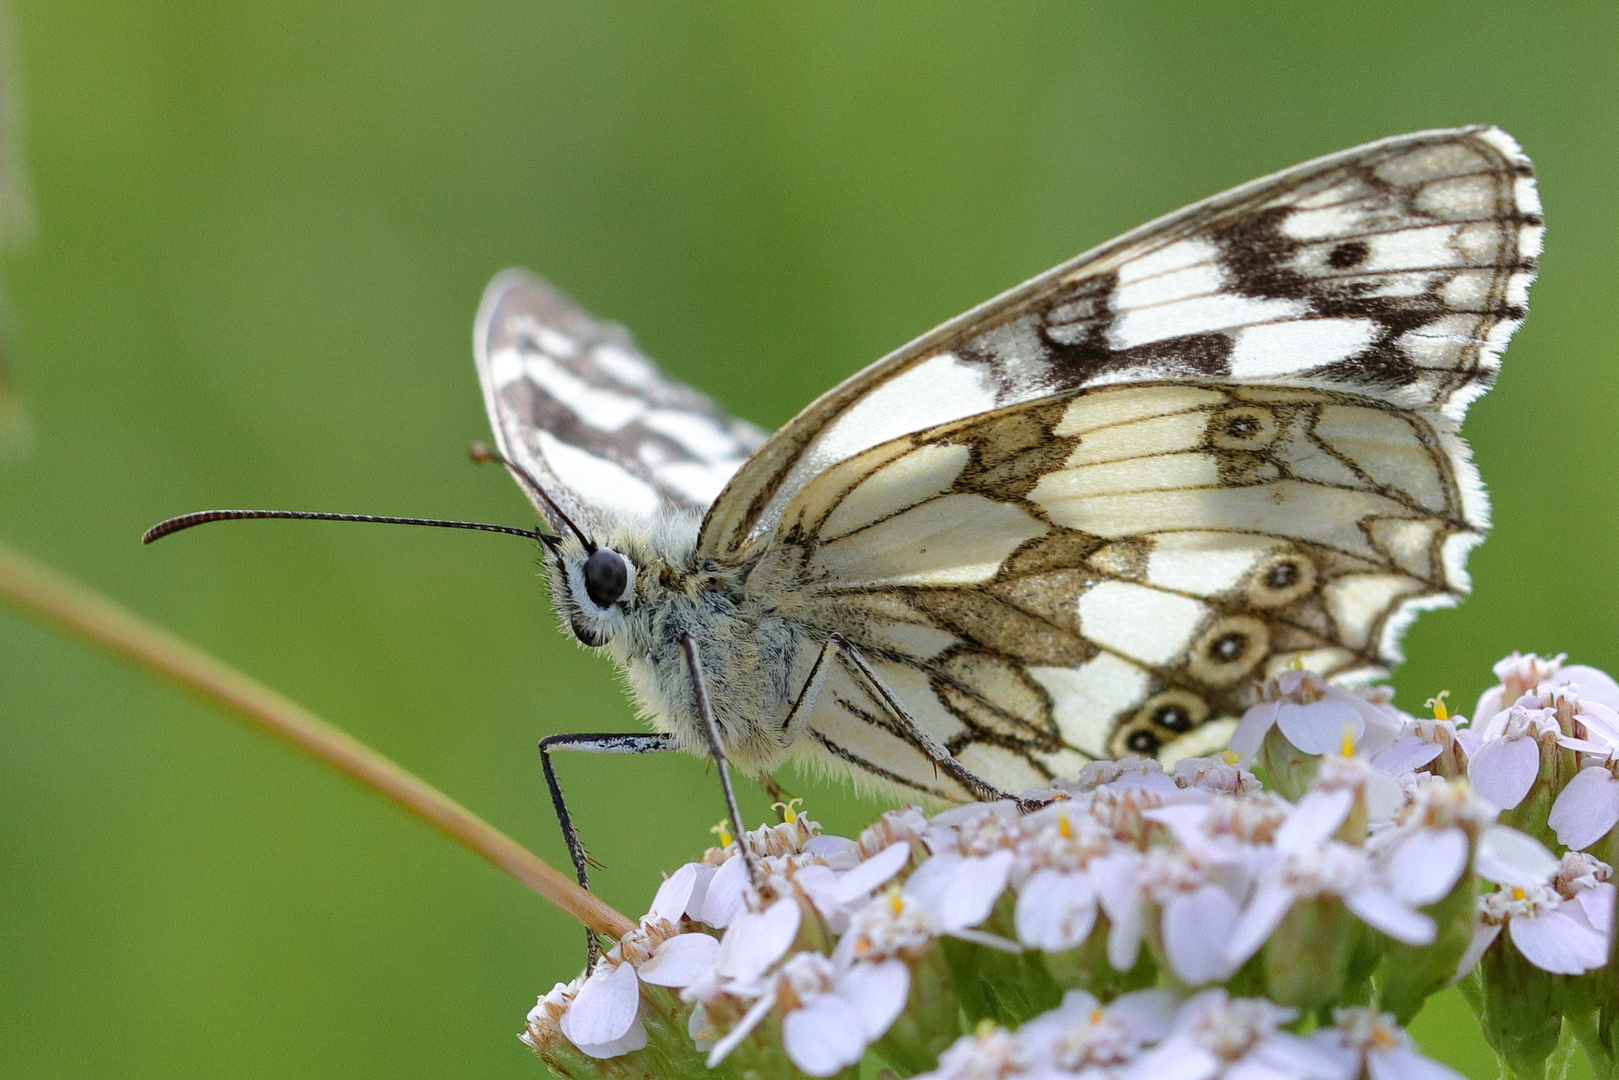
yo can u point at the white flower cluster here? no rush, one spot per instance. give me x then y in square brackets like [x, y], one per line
[1353, 879]
[1146, 1035]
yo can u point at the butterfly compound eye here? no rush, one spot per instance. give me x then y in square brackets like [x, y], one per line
[605, 577]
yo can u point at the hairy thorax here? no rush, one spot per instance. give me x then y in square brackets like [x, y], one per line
[749, 653]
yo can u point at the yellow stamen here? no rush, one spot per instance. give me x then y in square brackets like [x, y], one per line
[789, 809]
[985, 1028]
[1096, 1016]
[1346, 745]
[723, 831]
[1063, 828]
[1437, 704]
[1230, 757]
[1517, 893]
[1384, 1037]
[896, 903]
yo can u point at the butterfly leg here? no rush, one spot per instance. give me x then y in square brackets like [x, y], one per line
[917, 735]
[592, 744]
[716, 750]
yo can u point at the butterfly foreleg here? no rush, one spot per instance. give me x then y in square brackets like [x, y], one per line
[915, 733]
[592, 744]
[716, 750]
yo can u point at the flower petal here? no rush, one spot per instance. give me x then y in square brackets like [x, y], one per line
[675, 893]
[1593, 685]
[758, 939]
[1600, 721]
[1176, 1059]
[823, 1036]
[1149, 1015]
[723, 900]
[1489, 703]
[1509, 857]
[1119, 892]
[632, 1040]
[1196, 926]
[750, 1020]
[1316, 817]
[878, 993]
[681, 960]
[1427, 864]
[1484, 935]
[605, 1007]
[1251, 730]
[1321, 726]
[963, 891]
[1596, 904]
[1406, 753]
[873, 872]
[1587, 808]
[1383, 911]
[827, 847]
[1055, 911]
[1263, 914]
[1556, 943]
[1503, 770]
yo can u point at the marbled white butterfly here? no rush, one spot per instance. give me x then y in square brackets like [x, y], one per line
[1084, 519]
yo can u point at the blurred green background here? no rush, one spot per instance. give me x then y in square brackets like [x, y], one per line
[260, 232]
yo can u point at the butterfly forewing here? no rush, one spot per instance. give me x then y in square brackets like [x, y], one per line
[1396, 270]
[576, 403]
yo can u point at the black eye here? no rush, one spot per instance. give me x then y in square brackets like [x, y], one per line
[605, 577]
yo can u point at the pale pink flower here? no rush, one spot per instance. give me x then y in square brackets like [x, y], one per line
[1519, 674]
[1316, 717]
[1083, 1036]
[1218, 1036]
[838, 894]
[1198, 907]
[604, 1018]
[833, 1015]
[1549, 929]
[1506, 762]
[1223, 774]
[989, 1055]
[1587, 807]
[1308, 864]
[1364, 1042]
[839, 1013]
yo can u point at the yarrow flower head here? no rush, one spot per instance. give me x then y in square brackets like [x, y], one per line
[1044, 924]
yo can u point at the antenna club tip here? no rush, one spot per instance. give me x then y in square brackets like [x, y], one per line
[480, 453]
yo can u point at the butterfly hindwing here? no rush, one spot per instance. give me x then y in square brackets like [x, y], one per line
[1112, 571]
[1396, 270]
[574, 401]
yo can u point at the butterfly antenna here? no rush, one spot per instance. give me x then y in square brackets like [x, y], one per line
[203, 517]
[483, 454]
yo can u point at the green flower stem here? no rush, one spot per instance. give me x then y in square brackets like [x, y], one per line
[38, 590]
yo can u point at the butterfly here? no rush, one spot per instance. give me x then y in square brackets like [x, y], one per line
[1084, 519]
